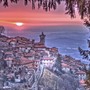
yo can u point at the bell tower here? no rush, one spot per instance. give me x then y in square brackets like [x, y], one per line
[42, 38]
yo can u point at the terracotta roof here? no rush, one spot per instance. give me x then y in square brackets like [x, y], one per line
[27, 61]
[65, 65]
[47, 58]
[39, 46]
[28, 54]
[80, 72]
[82, 81]
[8, 52]
[10, 59]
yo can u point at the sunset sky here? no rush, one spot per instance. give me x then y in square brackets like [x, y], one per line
[61, 30]
[20, 13]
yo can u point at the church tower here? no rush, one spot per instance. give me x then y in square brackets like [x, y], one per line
[42, 38]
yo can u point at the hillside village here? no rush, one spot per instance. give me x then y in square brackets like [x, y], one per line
[25, 63]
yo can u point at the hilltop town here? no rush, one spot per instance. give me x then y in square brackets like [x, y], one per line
[30, 65]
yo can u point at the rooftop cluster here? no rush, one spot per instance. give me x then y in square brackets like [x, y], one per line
[22, 62]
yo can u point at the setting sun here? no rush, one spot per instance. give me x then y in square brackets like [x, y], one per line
[19, 23]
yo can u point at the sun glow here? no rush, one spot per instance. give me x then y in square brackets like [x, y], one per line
[19, 23]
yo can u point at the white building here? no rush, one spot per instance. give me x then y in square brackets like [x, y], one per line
[65, 67]
[81, 75]
[48, 62]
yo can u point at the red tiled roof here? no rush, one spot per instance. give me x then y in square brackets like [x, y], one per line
[65, 65]
[47, 58]
[8, 52]
[82, 81]
[29, 54]
[80, 72]
[11, 59]
[26, 61]
[38, 46]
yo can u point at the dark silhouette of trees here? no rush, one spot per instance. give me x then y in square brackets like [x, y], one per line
[86, 55]
[83, 6]
[87, 22]
[88, 78]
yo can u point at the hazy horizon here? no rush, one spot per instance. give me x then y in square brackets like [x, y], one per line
[66, 38]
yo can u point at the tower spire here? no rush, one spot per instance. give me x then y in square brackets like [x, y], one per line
[42, 38]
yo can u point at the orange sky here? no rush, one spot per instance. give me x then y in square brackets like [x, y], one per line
[20, 13]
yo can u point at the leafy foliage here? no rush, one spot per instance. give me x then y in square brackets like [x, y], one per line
[86, 55]
[83, 6]
[88, 78]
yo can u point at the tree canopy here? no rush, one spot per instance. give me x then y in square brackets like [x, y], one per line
[83, 6]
